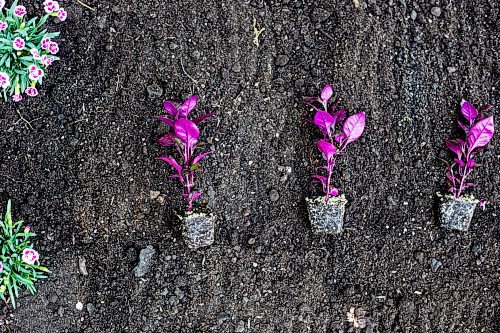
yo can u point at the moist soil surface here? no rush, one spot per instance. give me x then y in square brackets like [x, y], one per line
[79, 163]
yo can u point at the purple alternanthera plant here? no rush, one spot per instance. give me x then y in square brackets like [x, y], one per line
[184, 138]
[478, 132]
[334, 142]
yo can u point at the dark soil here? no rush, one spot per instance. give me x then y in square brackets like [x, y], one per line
[81, 172]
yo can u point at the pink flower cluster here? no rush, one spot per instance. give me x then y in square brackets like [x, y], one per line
[4, 80]
[18, 44]
[30, 256]
[3, 25]
[34, 72]
[52, 7]
[20, 11]
[48, 44]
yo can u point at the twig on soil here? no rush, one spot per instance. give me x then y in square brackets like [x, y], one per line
[256, 32]
[189, 76]
[26, 121]
[327, 35]
[86, 6]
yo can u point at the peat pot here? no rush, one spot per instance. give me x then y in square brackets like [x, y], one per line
[326, 217]
[198, 228]
[456, 213]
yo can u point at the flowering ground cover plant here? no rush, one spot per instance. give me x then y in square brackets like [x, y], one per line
[334, 142]
[19, 262]
[26, 48]
[457, 209]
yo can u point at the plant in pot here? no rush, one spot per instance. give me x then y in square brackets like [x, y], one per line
[19, 262]
[326, 213]
[456, 208]
[197, 223]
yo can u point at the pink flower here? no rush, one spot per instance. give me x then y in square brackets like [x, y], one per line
[20, 11]
[17, 98]
[62, 14]
[27, 229]
[45, 43]
[1, 267]
[31, 91]
[35, 54]
[53, 48]
[47, 61]
[35, 72]
[3, 25]
[18, 44]
[4, 80]
[30, 256]
[51, 6]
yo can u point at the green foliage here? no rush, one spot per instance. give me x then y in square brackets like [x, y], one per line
[16, 271]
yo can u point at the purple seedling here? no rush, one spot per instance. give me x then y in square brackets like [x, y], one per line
[478, 133]
[185, 140]
[334, 141]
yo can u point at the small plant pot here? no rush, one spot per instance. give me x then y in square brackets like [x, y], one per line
[198, 228]
[326, 217]
[456, 213]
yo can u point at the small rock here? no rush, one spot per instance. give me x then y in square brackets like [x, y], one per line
[145, 261]
[60, 311]
[436, 11]
[79, 306]
[90, 309]
[179, 293]
[419, 257]
[413, 15]
[251, 241]
[476, 249]
[154, 194]
[282, 60]
[240, 327]
[274, 195]
[82, 264]
[154, 90]
[435, 264]
[222, 317]
[236, 67]
[451, 69]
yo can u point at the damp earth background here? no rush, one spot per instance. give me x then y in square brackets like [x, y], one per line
[82, 171]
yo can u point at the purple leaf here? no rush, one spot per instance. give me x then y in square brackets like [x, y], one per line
[462, 126]
[195, 195]
[339, 116]
[327, 93]
[354, 127]
[199, 157]
[187, 131]
[324, 121]
[188, 106]
[168, 121]
[167, 139]
[334, 192]
[471, 164]
[481, 133]
[202, 118]
[174, 164]
[468, 111]
[170, 108]
[454, 147]
[340, 137]
[326, 148]
[459, 162]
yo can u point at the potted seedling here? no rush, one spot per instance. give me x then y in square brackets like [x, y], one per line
[456, 209]
[26, 49]
[197, 223]
[326, 213]
[19, 262]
